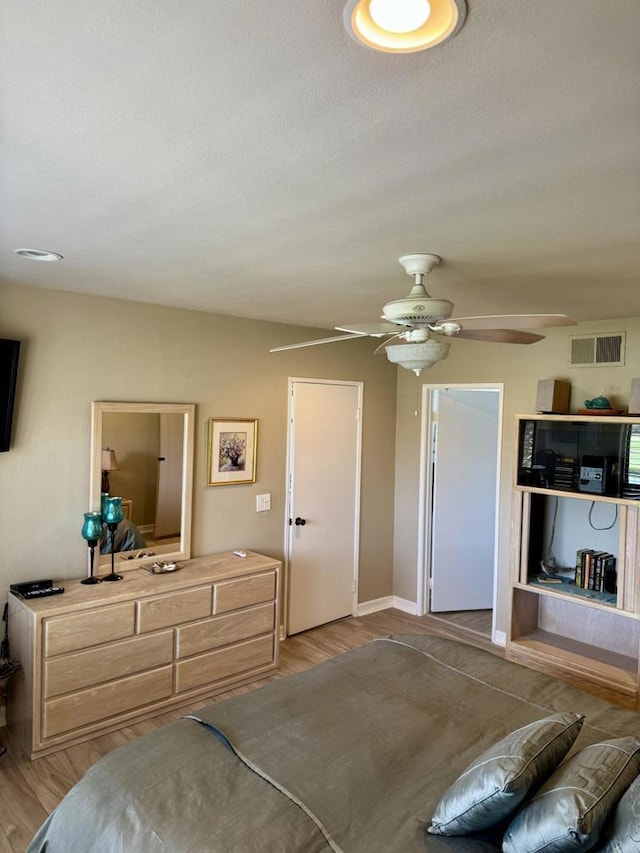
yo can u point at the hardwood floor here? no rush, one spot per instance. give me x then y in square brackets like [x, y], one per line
[30, 790]
[476, 621]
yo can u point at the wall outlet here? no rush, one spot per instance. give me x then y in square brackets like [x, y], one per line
[263, 503]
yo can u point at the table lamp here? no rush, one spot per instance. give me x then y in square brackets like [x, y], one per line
[109, 463]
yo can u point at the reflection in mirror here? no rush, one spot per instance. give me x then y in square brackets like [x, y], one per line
[143, 452]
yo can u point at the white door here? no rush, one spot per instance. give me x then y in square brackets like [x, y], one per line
[169, 491]
[463, 508]
[323, 504]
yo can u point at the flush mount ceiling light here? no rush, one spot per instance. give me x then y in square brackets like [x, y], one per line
[403, 26]
[39, 255]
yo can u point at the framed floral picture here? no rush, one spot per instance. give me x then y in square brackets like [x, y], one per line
[232, 451]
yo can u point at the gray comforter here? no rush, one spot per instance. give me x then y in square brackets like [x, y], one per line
[350, 756]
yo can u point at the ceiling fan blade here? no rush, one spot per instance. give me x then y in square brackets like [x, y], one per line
[514, 321]
[319, 341]
[499, 336]
[374, 330]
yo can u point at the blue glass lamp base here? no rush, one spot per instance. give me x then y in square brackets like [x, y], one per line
[92, 547]
[111, 577]
[112, 525]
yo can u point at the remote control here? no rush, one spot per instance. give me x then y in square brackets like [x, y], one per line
[240, 553]
[37, 593]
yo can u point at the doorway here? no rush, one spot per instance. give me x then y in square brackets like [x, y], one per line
[461, 441]
[323, 501]
[168, 519]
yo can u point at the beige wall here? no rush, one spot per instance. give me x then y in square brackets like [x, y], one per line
[81, 348]
[519, 368]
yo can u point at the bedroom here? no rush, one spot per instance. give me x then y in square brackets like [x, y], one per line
[559, 237]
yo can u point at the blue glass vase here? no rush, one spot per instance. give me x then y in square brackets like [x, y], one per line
[92, 532]
[112, 512]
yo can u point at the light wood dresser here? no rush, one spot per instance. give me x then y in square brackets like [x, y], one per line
[98, 657]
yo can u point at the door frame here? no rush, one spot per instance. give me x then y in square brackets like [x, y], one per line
[288, 530]
[425, 486]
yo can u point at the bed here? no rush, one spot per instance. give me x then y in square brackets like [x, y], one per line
[352, 755]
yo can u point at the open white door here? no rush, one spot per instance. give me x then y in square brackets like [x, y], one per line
[466, 426]
[324, 501]
[169, 491]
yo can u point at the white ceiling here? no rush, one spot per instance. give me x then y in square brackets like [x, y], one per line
[250, 158]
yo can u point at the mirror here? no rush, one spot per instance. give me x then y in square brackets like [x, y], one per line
[143, 452]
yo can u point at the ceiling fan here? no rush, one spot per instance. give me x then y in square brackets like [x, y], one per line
[417, 327]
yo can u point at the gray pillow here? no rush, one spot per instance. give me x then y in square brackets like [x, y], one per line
[495, 784]
[622, 833]
[568, 812]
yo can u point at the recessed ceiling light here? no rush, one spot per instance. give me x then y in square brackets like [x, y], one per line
[403, 26]
[39, 255]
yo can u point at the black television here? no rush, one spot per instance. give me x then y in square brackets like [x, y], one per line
[9, 353]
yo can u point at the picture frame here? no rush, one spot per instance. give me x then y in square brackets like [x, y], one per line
[232, 451]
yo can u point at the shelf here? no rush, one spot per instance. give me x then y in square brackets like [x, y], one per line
[585, 666]
[577, 417]
[584, 496]
[581, 496]
[568, 588]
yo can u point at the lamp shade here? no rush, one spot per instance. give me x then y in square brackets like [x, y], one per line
[112, 512]
[109, 461]
[92, 527]
[417, 356]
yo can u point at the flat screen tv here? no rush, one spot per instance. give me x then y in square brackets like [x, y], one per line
[9, 352]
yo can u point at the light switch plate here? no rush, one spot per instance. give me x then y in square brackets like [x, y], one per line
[263, 503]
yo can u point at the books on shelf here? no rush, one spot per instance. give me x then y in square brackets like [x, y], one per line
[596, 570]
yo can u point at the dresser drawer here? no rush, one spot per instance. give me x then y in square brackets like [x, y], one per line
[108, 700]
[116, 660]
[91, 628]
[222, 630]
[232, 660]
[243, 592]
[166, 610]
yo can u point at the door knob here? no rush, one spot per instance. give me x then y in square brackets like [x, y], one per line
[300, 522]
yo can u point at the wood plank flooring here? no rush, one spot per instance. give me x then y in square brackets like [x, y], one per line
[30, 790]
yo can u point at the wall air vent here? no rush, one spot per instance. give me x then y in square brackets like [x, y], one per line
[604, 350]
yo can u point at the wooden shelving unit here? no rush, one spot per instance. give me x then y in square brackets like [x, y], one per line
[588, 639]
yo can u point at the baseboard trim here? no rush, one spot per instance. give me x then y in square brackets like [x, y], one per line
[373, 606]
[500, 638]
[377, 604]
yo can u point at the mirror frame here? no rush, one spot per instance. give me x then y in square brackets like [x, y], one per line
[166, 552]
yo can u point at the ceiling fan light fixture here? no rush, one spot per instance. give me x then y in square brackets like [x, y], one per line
[418, 356]
[403, 26]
